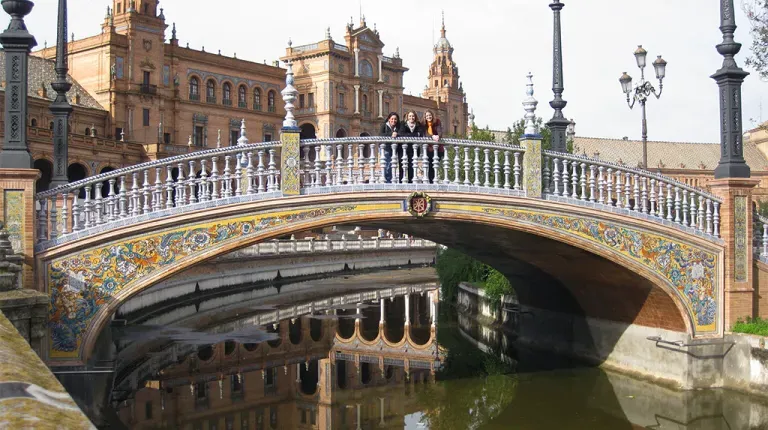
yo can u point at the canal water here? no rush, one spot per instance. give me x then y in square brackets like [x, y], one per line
[321, 355]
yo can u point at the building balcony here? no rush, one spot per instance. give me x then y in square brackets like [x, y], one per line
[210, 99]
[305, 111]
[194, 97]
[367, 114]
[257, 107]
[242, 105]
[271, 109]
[148, 89]
[226, 102]
[341, 109]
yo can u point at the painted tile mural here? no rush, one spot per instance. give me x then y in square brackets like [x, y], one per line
[14, 218]
[740, 237]
[693, 272]
[81, 285]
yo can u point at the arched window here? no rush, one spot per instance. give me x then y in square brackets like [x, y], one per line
[194, 89]
[271, 101]
[366, 70]
[365, 103]
[256, 99]
[50, 125]
[87, 131]
[227, 93]
[210, 91]
[33, 123]
[241, 97]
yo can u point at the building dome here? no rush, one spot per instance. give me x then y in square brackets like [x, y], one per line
[443, 44]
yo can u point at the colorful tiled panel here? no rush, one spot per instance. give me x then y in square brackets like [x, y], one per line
[14, 218]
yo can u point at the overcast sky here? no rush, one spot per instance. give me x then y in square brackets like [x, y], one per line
[496, 43]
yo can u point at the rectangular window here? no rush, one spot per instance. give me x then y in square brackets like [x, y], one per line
[119, 62]
[312, 419]
[145, 117]
[148, 410]
[198, 135]
[147, 76]
[455, 129]
[201, 390]
[236, 383]
[386, 109]
[341, 99]
[303, 416]
[269, 378]
[118, 133]
[166, 75]
[267, 137]
[167, 138]
[311, 100]
[233, 136]
[301, 101]
[119, 8]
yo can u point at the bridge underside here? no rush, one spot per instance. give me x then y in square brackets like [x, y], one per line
[551, 275]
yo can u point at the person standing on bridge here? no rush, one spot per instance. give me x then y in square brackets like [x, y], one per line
[389, 129]
[410, 128]
[433, 128]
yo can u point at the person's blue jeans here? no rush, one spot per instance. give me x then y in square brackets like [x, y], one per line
[388, 165]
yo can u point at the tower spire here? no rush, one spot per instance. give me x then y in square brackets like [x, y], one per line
[61, 108]
[442, 29]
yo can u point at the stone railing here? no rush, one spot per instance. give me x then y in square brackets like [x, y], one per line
[574, 178]
[760, 237]
[358, 160]
[341, 47]
[277, 247]
[304, 48]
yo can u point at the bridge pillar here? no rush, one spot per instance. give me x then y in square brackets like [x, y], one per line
[17, 202]
[531, 165]
[736, 216]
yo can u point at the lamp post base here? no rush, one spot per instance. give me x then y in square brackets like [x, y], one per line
[732, 169]
[15, 158]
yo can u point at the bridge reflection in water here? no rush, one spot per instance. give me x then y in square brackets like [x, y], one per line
[335, 361]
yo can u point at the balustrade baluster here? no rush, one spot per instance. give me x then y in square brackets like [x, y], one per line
[180, 186]
[456, 168]
[215, 179]
[145, 193]
[496, 168]
[54, 229]
[42, 220]
[487, 168]
[425, 163]
[436, 165]
[609, 179]
[685, 208]
[260, 171]
[516, 170]
[328, 170]
[701, 215]
[192, 180]
[592, 193]
[372, 163]
[65, 224]
[168, 187]
[670, 203]
[583, 181]
[716, 218]
[627, 190]
[765, 241]
[636, 189]
[307, 167]
[566, 179]
[88, 208]
[644, 197]
[653, 198]
[135, 206]
[272, 182]
[250, 175]
[575, 180]
[317, 181]
[157, 191]
[123, 198]
[556, 175]
[112, 201]
[394, 164]
[239, 161]
[476, 166]
[692, 205]
[677, 205]
[547, 181]
[466, 166]
[405, 163]
[416, 162]
[662, 200]
[99, 205]
[350, 163]
[601, 184]
[360, 163]
[507, 171]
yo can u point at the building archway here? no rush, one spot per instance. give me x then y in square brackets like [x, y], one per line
[341, 133]
[76, 172]
[308, 131]
[46, 174]
[365, 134]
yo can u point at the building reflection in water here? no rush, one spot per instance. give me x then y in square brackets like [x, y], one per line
[342, 365]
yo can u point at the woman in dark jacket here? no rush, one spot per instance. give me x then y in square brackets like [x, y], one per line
[409, 128]
[390, 128]
[434, 129]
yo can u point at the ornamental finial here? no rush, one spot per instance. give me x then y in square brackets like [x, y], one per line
[243, 140]
[173, 32]
[328, 33]
[529, 104]
[289, 96]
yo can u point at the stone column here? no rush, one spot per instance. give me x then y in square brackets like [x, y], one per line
[357, 99]
[298, 373]
[407, 310]
[357, 62]
[381, 103]
[358, 417]
[17, 43]
[736, 216]
[433, 308]
[381, 59]
[381, 411]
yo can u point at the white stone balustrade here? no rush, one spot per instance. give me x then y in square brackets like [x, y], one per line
[571, 177]
[760, 237]
[312, 245]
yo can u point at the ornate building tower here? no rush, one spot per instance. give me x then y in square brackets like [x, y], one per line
[443, 87]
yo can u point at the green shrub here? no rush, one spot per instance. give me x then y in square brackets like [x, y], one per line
[454, 267]
[756, 326]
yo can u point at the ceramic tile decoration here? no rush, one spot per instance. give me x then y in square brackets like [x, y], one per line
[14, 218]
[740, 237]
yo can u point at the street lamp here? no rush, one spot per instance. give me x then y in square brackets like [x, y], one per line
[643, 90]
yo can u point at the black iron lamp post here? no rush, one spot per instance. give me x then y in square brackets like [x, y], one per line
[61, 108]
[558, 124]
[643, 90]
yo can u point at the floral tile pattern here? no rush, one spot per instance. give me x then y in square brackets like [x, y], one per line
[740, 237]
[14, 218]
[693, 272]
[81, 284]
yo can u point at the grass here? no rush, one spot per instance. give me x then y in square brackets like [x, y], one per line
[756, 326]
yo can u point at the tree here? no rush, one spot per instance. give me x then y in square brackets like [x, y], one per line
[482, 134]
[757, 13]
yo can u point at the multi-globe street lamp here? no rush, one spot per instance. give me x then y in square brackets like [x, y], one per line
[643, 90]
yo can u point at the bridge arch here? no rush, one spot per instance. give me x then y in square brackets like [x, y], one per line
[140, 255]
